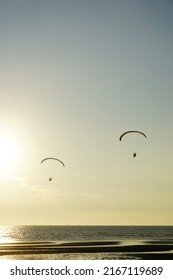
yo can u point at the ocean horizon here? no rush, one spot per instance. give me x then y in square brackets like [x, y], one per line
[82, 232]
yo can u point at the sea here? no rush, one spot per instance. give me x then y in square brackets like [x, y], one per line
[83, 233]
[33, 239]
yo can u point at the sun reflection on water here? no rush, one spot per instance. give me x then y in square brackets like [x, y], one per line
[6, 234]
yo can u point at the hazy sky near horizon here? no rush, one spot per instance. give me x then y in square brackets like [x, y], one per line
[74, 75]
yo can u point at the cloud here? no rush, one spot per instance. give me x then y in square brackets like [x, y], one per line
[53, 194]
[41, 194]
[16, 178]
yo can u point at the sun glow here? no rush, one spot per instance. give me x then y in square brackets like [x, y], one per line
[10, 152]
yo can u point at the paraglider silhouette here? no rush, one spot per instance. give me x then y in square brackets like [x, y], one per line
[132, 131]
[52, 158]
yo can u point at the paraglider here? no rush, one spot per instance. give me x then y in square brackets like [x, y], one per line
[52, 158]
[132, 131]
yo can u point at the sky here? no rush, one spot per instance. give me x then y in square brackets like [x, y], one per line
[75, 75]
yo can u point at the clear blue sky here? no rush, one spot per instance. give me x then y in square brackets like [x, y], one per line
[74, 75]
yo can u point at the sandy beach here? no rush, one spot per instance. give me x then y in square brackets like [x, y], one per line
[148, 250]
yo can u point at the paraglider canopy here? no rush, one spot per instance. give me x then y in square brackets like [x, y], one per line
[131, 131]
[48, 158]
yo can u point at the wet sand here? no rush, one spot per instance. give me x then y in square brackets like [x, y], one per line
[146, 250]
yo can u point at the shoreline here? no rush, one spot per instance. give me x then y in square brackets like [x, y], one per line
[134, 249]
